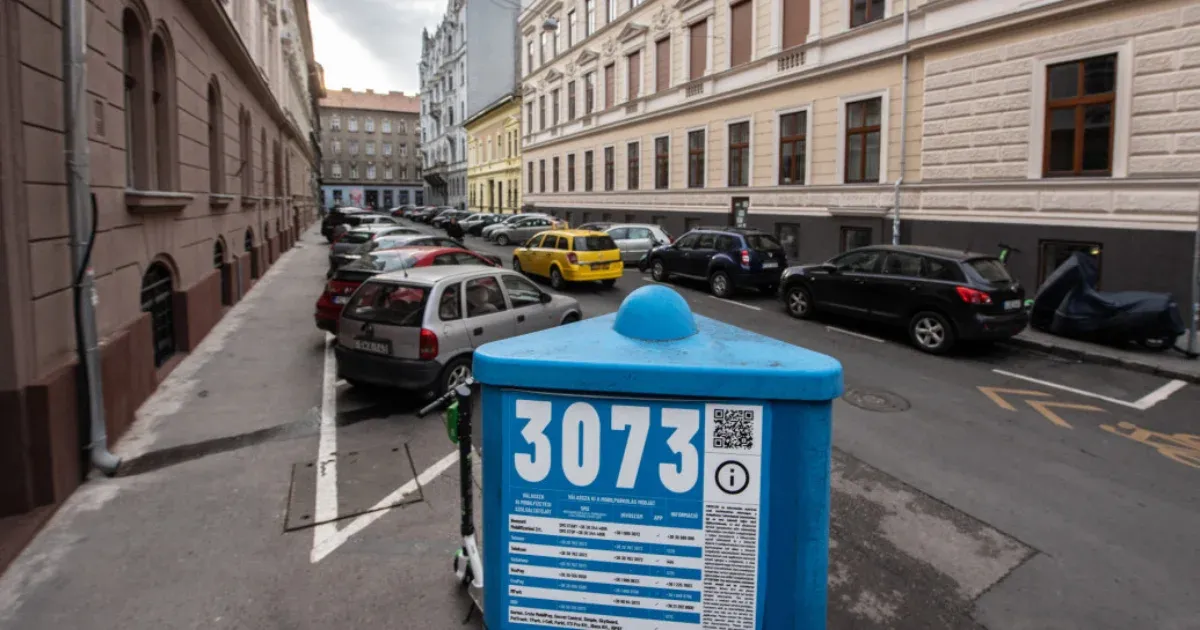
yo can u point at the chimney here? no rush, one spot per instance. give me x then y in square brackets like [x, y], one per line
[346, 90]
[370, 91]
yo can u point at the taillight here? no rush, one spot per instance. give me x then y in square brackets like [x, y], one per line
[973, 296]
[428, 348]
[745, 258]
[572, 258]
[329, 288]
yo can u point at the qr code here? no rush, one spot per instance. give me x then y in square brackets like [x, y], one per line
[733, 428]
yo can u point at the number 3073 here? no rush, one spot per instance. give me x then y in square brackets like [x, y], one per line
[580, 456]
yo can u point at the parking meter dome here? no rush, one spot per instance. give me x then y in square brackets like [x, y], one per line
[655, 313]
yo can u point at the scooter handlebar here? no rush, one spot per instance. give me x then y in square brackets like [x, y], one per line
[463, 389]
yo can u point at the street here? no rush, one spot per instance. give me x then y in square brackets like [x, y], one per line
[993, 488]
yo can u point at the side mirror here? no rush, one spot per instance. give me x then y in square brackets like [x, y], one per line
[546, 298]
[829, 268]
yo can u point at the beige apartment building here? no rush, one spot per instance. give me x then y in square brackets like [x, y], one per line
[1048, 125]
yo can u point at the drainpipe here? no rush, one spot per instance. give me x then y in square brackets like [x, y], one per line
[903, 133]
[1193, 344]
[83, 230]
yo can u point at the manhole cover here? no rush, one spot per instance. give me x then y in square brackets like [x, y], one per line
[876, 400]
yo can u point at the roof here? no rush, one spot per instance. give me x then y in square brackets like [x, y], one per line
[575, 232]
[944, 252]
[435, 274]
[389, 102]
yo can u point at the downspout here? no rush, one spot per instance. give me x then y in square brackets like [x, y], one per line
[1193, 344]
[903, 133]
[83, 230]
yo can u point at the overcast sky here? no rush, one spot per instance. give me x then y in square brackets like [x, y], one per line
[372, 43]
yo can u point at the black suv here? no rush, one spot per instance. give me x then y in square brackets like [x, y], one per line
[940, 295]
[728, 258]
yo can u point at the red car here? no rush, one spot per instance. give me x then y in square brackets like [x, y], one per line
[345, 280]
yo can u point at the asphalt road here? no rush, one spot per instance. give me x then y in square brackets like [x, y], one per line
[953, 506]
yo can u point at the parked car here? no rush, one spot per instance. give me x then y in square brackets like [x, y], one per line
[509, 219]
[521, 230]
[351, 239]
[437, 212]
[421, 214]
[402, 212]
[442, 219]
[940, 295]
[570, 256]
[636, 240]
[727, 258]
[362, 220]
[338, 259]
[336, 217]
[474, 224]
[345, 281]
[417, 329]
[595, 226]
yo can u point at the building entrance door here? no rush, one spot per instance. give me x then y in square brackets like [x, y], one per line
[372, 199]
[740, 207]
[387, 199]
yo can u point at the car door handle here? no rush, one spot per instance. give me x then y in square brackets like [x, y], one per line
[520, 318]
[477, 331]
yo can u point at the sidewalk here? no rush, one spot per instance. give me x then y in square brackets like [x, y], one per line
[1170, 363]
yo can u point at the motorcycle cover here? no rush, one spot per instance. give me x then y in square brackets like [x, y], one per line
[1068, 305]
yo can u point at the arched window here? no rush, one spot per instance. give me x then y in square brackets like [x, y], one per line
[250, 250]
[263, 158]
[216, 139]
[219, 265]
[246, 139]
[136, 166]
[158, 300]
[162, 103]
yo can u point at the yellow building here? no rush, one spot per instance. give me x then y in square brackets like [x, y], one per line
[494, 157]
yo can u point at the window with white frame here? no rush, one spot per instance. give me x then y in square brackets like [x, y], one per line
[403, 150]
[353, 124]
[387, 148]
[335, 123]
[793, 148]
[353, 147]
[387, 125]
[336, 170]
[370, 171]
[387, 172]
[353, 171]
[863, 137]
[739, 154]
[369, 125]
[336, 145]
[570, 28]
[370, 148]
[401, 128]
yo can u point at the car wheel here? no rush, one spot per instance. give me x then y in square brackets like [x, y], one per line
[799, 302]
[502, 240]
[454, 374]
[569, 319]
[556, 279]
[1160, 344]
[720, 284]
[610, 283]
[931, 332]
[658, 271]
[516, 265]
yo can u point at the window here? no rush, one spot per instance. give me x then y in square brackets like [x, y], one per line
[741, 35]
[529, 56]
[529, 118]
[570, 28]
[387, 174]
[370, 148]
[337, 147]
[353, 171]
[589, 92]
[403, 150]
[859, 262]
[554, 107]
[788, 235]
[556, 43]
[634, 77]
[589, 9]
[248, 247]
[387, 125]
[662, 64]
[353, 124]
[863, 120]
[400, 127]
[530, 176]
[542, 112]
[246, 140]
[337, 169]
[698, 62]
[1051, 254]
[541, 175]
[542, 47]
[696, 159]
[865, 11]
[793, 148]
[662, 162]
[353, 147]
[387, 148]
[554, 175]
[739, 154]
[588, 170]
[854, 237]
[796, 15]
[163, 109]
[609, 173]
[571, 173]
[902, 264]
[610, 11]
[1080, 109]
[158, 299]
[634, 168]
[216, 139]
[936, 269]
[370, 171]
[571, 101]
[335, 123]
[521, 292]
[369, 125]
[609, 81]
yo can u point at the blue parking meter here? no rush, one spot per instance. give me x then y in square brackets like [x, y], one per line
[653, 469]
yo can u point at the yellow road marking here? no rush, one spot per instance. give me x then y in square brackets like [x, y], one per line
[1043, 407]
[994, 394]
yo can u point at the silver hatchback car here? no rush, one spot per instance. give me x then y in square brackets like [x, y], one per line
[417, 329]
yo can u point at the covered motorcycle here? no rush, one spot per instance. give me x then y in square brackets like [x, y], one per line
[1068, 305]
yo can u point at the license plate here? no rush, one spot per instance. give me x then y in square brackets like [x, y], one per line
[1012, 305]
[373, 345]
[340, 299]
[599, 265]
[770, 265]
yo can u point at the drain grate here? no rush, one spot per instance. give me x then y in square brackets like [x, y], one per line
[876, 400]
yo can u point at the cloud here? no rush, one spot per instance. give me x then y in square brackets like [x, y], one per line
[372, 43]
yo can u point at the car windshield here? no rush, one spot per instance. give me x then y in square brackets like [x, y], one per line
[594, 243]
[383, 262]
[390, 242]
[356, 238]
[762, 242]
[398, 305]
[990, 269]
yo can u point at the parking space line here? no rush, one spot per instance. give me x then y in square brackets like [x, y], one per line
[1160, 394]
[854, 334]
[326, 500]
[1073, 390]
[753, 308]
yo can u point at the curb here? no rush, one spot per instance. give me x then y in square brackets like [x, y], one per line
[1090, 356]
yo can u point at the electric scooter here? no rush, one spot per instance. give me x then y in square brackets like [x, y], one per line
[456, 407]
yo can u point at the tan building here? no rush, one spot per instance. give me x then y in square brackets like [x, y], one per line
[494, 157]
[370, 149]
[200, 121]
[1050, 126]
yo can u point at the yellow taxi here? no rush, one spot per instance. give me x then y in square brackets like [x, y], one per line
[570, 256]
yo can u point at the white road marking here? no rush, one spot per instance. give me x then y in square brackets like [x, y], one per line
[753, 308]
[1146, 402]
[853, 334]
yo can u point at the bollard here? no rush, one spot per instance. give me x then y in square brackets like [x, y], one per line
[653, 469]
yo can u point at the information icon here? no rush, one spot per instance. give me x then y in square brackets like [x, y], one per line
[732, 477]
